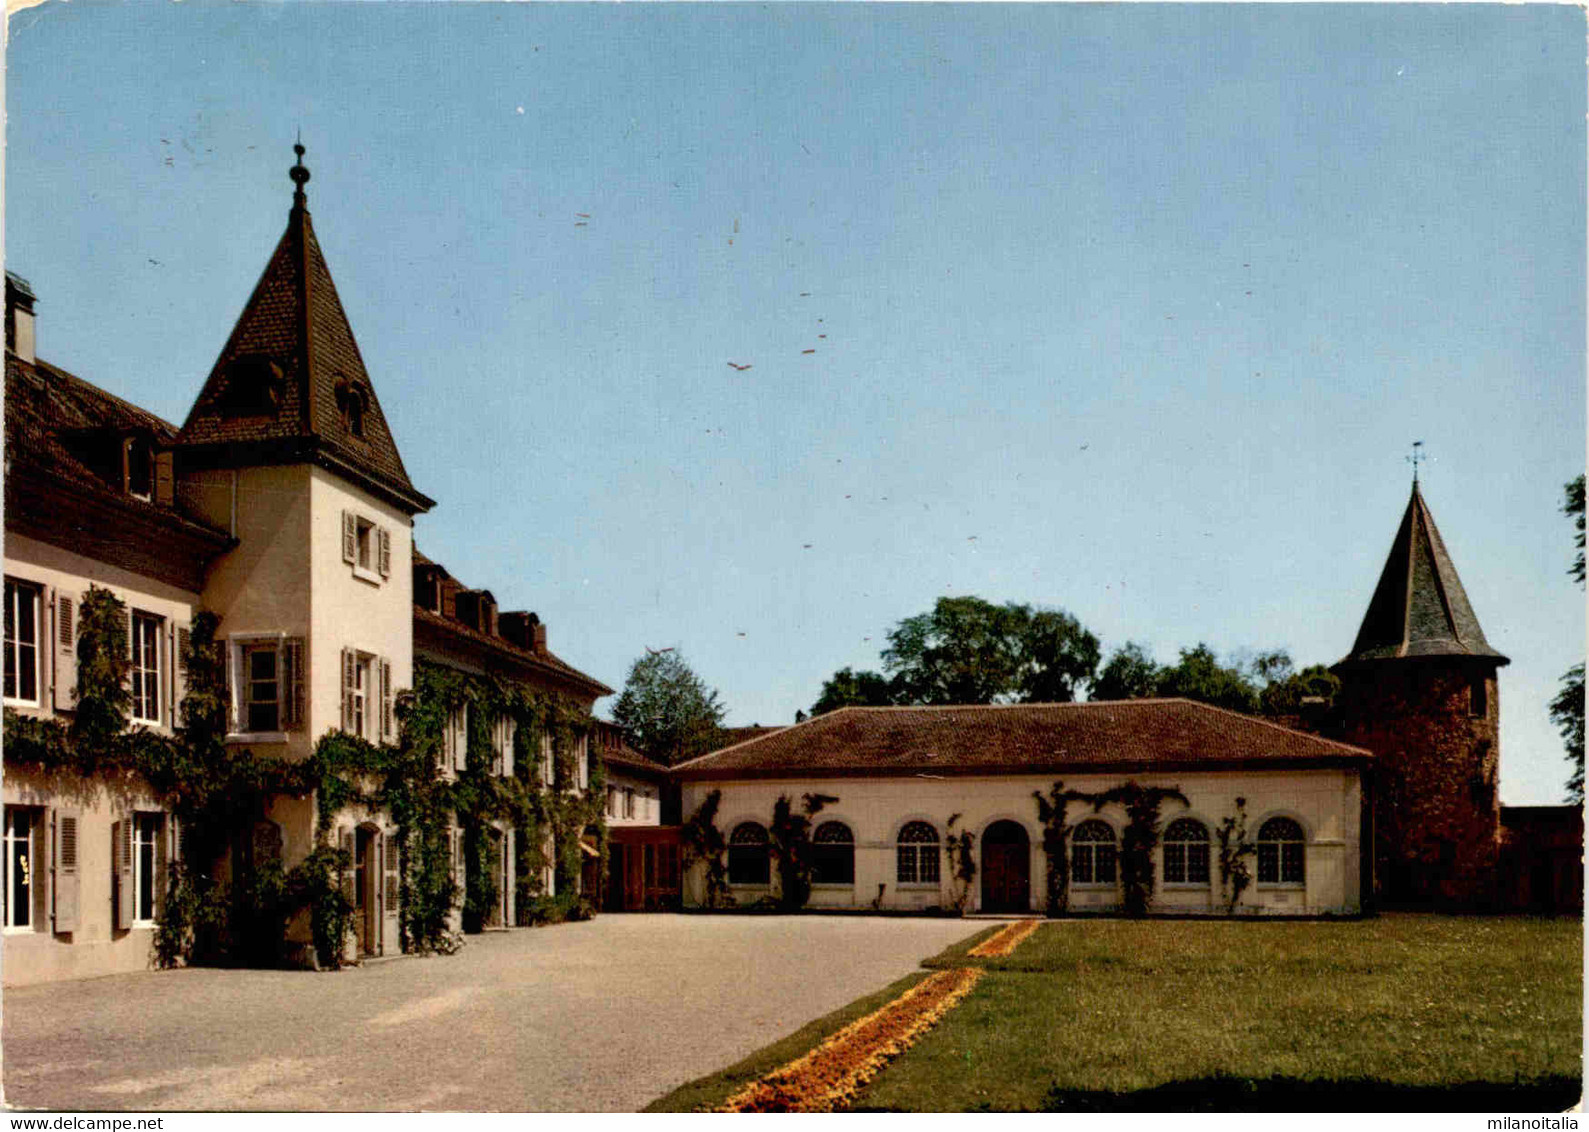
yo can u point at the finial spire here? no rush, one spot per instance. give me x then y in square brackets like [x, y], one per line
[1415, 459]
[299, 174]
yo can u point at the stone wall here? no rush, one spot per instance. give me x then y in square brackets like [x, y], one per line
[1435, 776]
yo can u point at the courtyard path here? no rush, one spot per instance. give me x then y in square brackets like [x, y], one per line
[600, 1016]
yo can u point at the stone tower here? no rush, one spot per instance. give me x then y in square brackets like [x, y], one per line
[1419, 690]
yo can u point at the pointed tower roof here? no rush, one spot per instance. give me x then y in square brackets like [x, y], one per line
[290, 385]
[1419, 607]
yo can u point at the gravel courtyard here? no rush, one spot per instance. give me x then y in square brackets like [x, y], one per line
[599, 1016]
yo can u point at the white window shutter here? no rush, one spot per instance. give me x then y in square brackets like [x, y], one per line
[293, 682]
[121, 859]
[392, 873]
[65, 865]
[386, 699]
[349, 662]
[350, 537]
[63, 656]
[384, 555]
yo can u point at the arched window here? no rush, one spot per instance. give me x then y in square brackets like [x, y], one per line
[1186, 852]
[1092, 853]
[918, 854]
[747, 854]
[1280, 856]
[833, 854]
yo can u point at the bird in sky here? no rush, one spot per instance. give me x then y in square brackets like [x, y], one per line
[658, 652]
[739, 367]
[808, 351]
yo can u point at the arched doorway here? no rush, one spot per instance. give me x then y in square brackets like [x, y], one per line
[1006, 868]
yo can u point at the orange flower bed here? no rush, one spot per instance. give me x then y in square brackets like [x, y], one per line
[832, 1074]
[1004, 941]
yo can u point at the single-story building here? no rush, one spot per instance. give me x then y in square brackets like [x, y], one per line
[903, 780]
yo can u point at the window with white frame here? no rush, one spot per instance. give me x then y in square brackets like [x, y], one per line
[748, 859]
[612, 801]
[145, 863]
[1092, 854]
[360, 693]
[366, 695]
[22, 828]
[833, 854]
[628, 801]
[268, 674]
[1186, 852]
[148, 634]
[261, 688]
[366, 546]
[21, 643]
[916, 854]
[1280, 852]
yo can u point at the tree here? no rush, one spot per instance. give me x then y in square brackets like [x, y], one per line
[1199, 676]
[970, 651]
[668, 710]
[848, 688]
[1131, 674]
[1566, 710]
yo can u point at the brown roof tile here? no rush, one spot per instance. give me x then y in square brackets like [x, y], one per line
[1019, 739]
[545, 662]
[1419, 607]
[294, 334]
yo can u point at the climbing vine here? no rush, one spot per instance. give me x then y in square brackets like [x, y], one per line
[958, 849]
[1141, 836]
[789, 843]
[704, 842]
[228, 898]
[1235, 848]
[1056, 838]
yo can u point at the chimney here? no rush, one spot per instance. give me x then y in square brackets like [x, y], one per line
[537, 634]
[19, 317]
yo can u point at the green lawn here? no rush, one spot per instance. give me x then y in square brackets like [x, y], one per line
[1409, 1011]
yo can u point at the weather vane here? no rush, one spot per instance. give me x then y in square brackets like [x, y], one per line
[1418, 457]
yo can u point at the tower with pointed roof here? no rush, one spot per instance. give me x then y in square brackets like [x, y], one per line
[287, 449]
[1419, 689]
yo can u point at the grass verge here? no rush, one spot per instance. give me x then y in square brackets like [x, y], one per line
[1409, 1012]
[712, 1091]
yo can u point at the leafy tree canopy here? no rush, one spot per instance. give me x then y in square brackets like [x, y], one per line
[1265, 682]
[1130, 674]
[1566, 710]
[970, 651]
[848, 688]
[667, 709]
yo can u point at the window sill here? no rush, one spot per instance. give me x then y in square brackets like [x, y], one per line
[238, 737]
[23, 931]
[1282, 886]
[1093, 887]
[916, 885]
[1186, 886]
[365, 574]
[36, 705]
[833, 886]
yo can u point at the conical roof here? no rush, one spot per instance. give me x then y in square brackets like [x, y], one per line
[290, 385]
[1419, 607]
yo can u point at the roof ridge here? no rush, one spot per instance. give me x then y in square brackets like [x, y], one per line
[103, 392]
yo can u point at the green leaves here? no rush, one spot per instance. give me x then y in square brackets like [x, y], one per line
[667, 709]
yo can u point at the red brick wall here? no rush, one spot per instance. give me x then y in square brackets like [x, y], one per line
[1435, 777]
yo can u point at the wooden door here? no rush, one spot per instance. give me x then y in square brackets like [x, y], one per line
[1006, 869]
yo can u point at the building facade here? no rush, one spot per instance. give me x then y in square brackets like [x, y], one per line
[900, 782]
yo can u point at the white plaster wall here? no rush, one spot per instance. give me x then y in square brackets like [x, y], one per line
[58, 571]
[40, 954]
[347, 611]
[1326, 802]
[648, 800]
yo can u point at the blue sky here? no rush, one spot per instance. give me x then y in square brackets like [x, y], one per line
[1130, 310]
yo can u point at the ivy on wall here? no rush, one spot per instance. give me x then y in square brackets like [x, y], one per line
[704, 842]
[1235, 849]
[789, 843]
[959, 853]
[229, 903]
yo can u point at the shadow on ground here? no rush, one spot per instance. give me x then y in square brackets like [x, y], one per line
[1290, 1094]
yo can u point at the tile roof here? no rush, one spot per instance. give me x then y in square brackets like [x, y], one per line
[1419, 607]
[50, 412]
[631, 759]
[1148, 735]
[278, 387]
[547, 663]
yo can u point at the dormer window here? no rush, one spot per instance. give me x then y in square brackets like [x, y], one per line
[137, 467]
[254, 385]
[353, 401]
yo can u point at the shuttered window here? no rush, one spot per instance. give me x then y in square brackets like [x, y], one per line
[21, 642]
